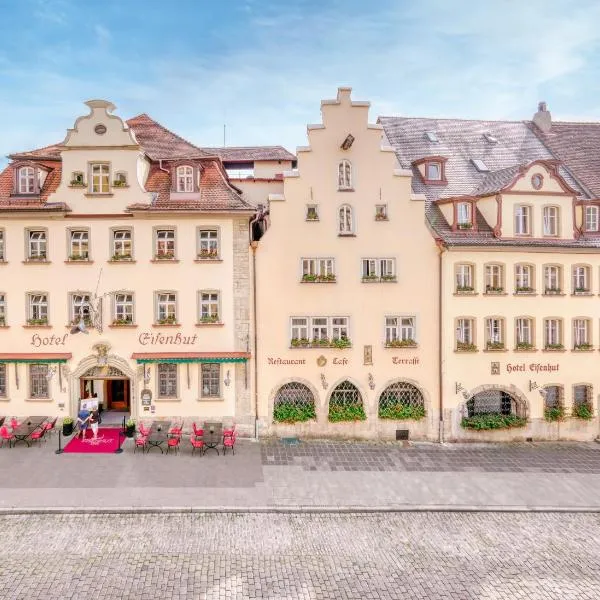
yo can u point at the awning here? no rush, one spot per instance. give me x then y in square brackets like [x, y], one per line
[190, 357]
[33, 357]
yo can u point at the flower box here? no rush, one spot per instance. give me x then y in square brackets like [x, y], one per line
[466, 347]
[388, 278]
[299, 342]
[554, 347]
[78, 257]
[552, 291]
[205, 254]
[342, 342]
[524, 346]
[464, 289]
[209, 319]
[493, 290]
[582, 347]
[122, 322]
[381, 217]
[465, 225]
[121, 257]
[164, 256]
[495, 346]
[408, 343]
[37, 321]
[370, 278]
[171, 320]
[524, 290]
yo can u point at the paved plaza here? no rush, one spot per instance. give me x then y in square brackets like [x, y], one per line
[450, 556]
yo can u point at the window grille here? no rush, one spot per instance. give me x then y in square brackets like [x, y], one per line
[294, 402]
[167, 380]
[494, 402]
[553, 397]
[401, 400]
[3, 386]
[38, 381]
[211, 380]
[345, 396]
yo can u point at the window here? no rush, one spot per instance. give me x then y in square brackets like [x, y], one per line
[494, 279]
[100, 181]
[431, 136]
[210, 380]
[433, 171]
[123, 309]
[378, 269]
[3, 380]
[582, 395]
[464, 278]
[166, 308]
[37, 309]
[320, 331]
[400, 331]
[522, 220]
[339, 328]
[552, 279]
[122, 244]
[208, 243]
[464, 217]
[37, 245]
[381, 212]
[537, 180]
[480, 165]
[312, 212]
[524, 278]
[494, 332]
[346, 220]
[581, 334]
[318, 269]
[209, 307]
[185, 179]
[120, 179]
[80, 308]
[553, 334]
[591, 218]
[79, 245]
[2, 256]
[344, 175]
[465, 334]
[524, 333]
[26, 180]
[165, 244]
[77, 178]
[167, 380]
[551, 220]
[39, 384]
[553, 397]
[581, 279]
[299, 330]
[2, 310]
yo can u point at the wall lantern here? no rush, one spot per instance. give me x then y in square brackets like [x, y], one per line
[227, 379]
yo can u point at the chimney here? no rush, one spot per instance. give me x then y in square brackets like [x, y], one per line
[543, 118]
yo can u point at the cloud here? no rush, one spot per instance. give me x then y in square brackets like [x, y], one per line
[103, 35]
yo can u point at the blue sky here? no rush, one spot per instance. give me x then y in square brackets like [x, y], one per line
[262, 66]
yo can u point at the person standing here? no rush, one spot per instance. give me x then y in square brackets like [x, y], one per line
[83, 419]
[94, 420]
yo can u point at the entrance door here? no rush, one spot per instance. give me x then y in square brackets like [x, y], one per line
[117, 395]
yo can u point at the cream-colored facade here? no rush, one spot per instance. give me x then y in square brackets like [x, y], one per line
[157, 274]
[344, 264]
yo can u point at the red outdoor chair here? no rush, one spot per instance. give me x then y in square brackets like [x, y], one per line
[38, 434]
[196, 443]
[143, 430]
[229, 442]
[230, 430]
[176, 429]
[6, 435]
[14, 423]
[141, 441]
[49, 426]
[197, 432]
[173, 443]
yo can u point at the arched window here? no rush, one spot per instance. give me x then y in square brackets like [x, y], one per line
[346, 220]
[345, 175]
[294, 402]
[495, 402]
[401, 400]
[185, 179]
[26, 180]
[345, 403]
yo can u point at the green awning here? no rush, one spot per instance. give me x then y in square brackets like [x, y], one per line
[32, 358]
[190, 357]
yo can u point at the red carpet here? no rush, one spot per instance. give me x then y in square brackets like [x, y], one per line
[108, 441]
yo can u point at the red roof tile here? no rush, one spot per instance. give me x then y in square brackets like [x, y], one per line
[52, 152]
[251, 153]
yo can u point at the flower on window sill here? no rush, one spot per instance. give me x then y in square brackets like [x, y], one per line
[123, 321]
[489, 289]
[581, 290]
[342, 342]
[119, 183]
[87, 320]
[77, 183]
[524, 346]
[78, 257]
[583, 347]
[43, 321]
[465, 226]
[381, 217]
[388, 278]
[309, 278]
[38, 257]
[370, 277]
[583, 411]
[494, 346]
[317, 342]
[299, 342]
[464, 289]
[466, 347]
[209, 318]
[165, 256]
[524, 290]
[170, 320]
[407, 343]
[121, 257]
[554, 347]
[208, 253]
[312, 215]
[551, 291]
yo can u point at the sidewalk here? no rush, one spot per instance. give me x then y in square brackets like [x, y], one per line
[316, 475]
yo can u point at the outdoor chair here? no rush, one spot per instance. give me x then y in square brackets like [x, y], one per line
[229, 442]
[229, 429]
[197, 432]
[141, 441]
[196, 443]
[176, 429]
[173, 443]
[38, 434]
[14, 423]
[143, 430]
[6, 435]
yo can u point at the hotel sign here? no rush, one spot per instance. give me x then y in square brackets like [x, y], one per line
[145, 339]
[532, 367]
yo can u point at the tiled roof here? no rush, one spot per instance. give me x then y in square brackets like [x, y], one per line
[496, 181]
[250, 153]
[52, 152]
[578, 146]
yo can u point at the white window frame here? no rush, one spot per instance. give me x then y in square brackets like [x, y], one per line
[38, 306]
[550, 220]
[167, 381]
[37, 244]
[76, 244]
[185, 178]
[124, 306]
[209, 306]
[2, 309]
[582, 330]
[166, 307]
[164, 243]
[494, 277]
[345, 175]
[429, 166]
[214, 378]
[319, 267]
[464, 215]
[494, 330]
[465, 329]
[524, 276]
[592, 217]
[378, 268]
[552, 278]
[400, 328]
[340, 328]
[552, 332]
[3, 380]
[346, 225]
[312, 208]
[209, 243]
[524, 331]
[523, 225]
[320, 327]
[381, 212]
[464, 274]
[42, 383]
[121, 238]
[79, 305]
[99, 178]
[26, 179]
[299, 328]
[581, 279]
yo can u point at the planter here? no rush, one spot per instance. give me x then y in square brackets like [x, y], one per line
[67, 428]
[492, 421]
[130, 430]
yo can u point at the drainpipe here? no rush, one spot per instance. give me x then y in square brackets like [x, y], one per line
[254, 246]
[441, 250]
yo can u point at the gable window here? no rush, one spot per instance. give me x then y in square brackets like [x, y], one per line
[522, 220]
[2, 310]
[464, 278]
[591, 218]
[581, 279]
[318, 269]
[80, 308]
[523, 279]
[185, 179]
[166, 308]
[465, 334]
[553, 334]
[165, 244]
[209, 307]
[312, 212]
[100, 180]
[2, 257]
[167, 380]
[39, 384]
[346, 220]
[551, 220]
[36, 245]
[400, 331]
[3, 381]
[433, 171]
[552, 277]
[524, 333]
[345, 175]
[37, 313]
[464, 217]
[210, 380]
[581, 334]
[208, 243]
[26, 180]
[378, 269]
[122, 244]
[78, 245]
[494, 279]
[494, 330]
[123, 314]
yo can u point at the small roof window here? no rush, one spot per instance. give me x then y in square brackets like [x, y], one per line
[431, 136]
[480, 165]
[490, 138]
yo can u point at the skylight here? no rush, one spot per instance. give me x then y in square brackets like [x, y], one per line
[480, 165]
[431, 136]
[490, 138]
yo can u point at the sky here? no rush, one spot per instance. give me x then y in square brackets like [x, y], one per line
[261, 67]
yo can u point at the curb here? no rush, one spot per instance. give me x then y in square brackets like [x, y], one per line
[99, 510]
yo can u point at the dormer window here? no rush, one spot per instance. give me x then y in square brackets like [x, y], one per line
[433, 171]
[591, 218]
[490, 138]
[464, 215]
[345, 175]
[431, 136]
[185, 179]
[26, 180]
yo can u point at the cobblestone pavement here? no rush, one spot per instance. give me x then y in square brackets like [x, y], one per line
[365, 456]
[357, 556]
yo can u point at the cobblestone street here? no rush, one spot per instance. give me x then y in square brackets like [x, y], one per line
[355, 556]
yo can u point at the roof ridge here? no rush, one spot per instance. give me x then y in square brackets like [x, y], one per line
[513, 121]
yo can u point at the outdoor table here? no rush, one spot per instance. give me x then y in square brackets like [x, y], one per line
[212, 435]
[22, 432]
[159, 434]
